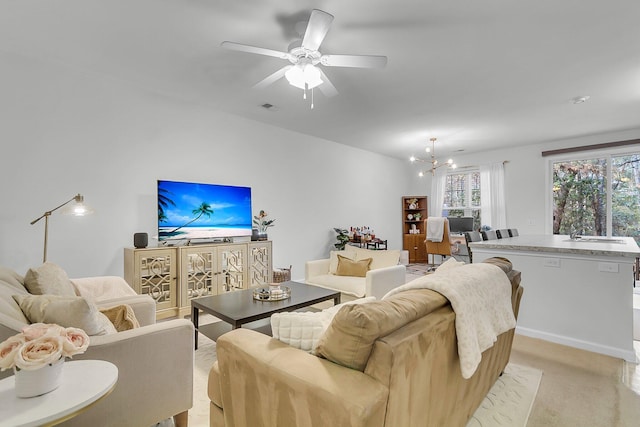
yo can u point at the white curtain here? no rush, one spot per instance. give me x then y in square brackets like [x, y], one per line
[493, 203]
[438, 182]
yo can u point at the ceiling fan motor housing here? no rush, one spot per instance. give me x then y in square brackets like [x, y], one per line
[297, 53]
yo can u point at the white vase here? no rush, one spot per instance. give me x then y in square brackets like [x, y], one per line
[39, 381]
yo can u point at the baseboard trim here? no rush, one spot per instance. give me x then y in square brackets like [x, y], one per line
[628, 355]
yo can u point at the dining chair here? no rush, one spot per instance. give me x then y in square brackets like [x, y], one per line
[503, 233]
[489, 235]
[472, 236]
[513, 232]
[442, 248]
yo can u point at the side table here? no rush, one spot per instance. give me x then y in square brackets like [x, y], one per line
[377, 244]
[84, 382]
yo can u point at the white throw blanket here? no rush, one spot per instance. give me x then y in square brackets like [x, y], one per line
[480, 295]
[435, 228]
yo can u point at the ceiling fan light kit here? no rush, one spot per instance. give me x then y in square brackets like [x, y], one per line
[303, 76]
[305, 58]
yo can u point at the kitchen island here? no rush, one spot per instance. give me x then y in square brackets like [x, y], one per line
[576, 292]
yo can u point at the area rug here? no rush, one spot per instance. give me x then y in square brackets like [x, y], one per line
[508, 403]
[418, 269]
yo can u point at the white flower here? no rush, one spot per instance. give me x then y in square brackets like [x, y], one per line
[75, 341]
[39, 352]
[8, 350]
[37, 330]
[40, 344]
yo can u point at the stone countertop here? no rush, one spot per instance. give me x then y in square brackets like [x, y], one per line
[562, 244]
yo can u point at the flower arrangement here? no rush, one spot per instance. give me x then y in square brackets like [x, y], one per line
[41, 344]
[261, 221]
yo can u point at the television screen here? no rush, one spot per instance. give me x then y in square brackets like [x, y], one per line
[189, 210]
[460, 225]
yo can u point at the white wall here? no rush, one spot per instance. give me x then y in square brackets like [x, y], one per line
[65, 132]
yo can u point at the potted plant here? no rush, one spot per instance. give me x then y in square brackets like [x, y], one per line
[37, 355]
[343, 238]
[262, 224]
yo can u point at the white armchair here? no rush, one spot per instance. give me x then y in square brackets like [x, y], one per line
[155, 361]
[384, 274]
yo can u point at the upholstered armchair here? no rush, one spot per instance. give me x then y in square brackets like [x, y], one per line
[382, 274]
[154, 360]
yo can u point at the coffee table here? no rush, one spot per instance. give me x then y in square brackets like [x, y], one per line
[239, 307]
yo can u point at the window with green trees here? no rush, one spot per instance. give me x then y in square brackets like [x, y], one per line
[598, 196]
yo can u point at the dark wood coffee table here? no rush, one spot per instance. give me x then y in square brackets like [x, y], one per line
[239, 307]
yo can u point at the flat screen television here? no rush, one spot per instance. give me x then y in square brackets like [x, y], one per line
[190, 210]
[459, 225]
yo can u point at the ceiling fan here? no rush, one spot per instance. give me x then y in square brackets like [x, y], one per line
[304, 57]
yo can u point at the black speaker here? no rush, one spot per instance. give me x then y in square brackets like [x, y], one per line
[140, 240]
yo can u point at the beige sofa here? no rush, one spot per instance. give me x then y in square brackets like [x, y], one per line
[383, 275]
[411, 377]
[155, 361]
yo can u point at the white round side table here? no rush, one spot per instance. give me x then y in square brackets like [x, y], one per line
[83, 383]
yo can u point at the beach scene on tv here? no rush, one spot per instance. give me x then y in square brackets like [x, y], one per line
[193, 211]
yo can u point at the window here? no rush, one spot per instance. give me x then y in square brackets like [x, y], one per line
[598, 196]
[462, 196]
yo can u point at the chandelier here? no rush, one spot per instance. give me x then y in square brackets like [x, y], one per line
[434, 163]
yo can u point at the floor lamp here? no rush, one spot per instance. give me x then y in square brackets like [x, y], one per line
[78, 209]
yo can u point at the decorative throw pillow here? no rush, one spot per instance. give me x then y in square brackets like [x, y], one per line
[347, 267]
[303, 330]
[348, 252]
[300, 329]
[350, 337]
[48, 279]
[65, 311]
[12, 278]
[122, 317]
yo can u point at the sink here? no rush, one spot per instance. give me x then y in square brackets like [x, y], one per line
[595, 239]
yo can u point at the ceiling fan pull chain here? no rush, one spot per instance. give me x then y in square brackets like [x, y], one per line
[304, 96]
[312, 98]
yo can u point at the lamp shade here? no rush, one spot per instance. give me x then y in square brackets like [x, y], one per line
[78, 208]
[303, 74]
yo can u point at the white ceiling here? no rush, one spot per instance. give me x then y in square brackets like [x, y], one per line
[475, 74]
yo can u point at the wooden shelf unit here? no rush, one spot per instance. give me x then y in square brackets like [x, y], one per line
[414, 242]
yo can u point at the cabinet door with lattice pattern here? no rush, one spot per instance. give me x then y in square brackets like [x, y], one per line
[261, 264]
[155, 275]
[232, 267]
[197, 273]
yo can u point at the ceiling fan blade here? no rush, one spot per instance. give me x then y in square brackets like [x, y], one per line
[317, 28]
[253, 49]
[327, 88]
[357, 61]
[272, 78]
